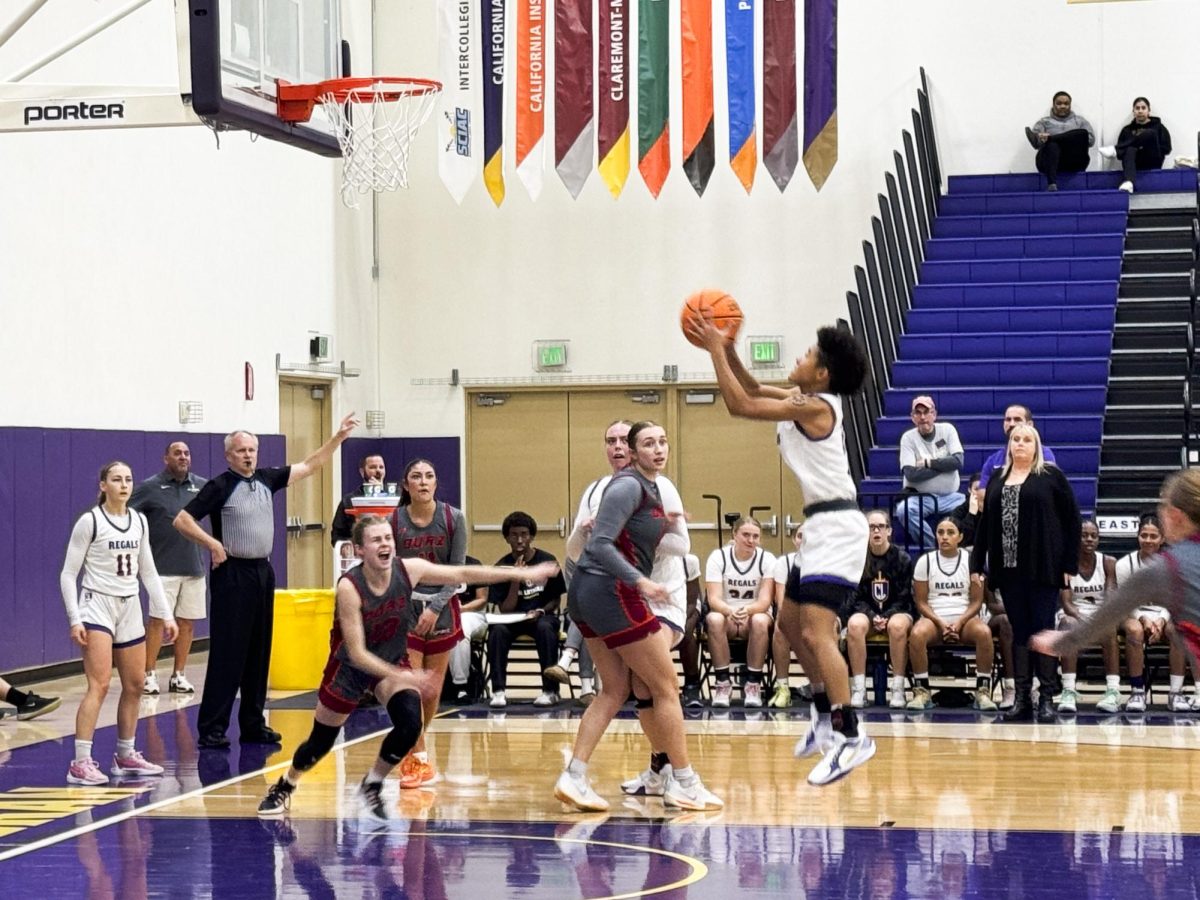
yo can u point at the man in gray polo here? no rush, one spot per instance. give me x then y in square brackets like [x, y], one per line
[239, 505]
[161, 498]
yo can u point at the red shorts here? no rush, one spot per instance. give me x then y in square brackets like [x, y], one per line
[447, 632]
[343, 686]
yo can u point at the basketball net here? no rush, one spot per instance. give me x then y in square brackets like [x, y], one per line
[375, 125]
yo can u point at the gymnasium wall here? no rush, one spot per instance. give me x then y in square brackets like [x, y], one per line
[609, 275]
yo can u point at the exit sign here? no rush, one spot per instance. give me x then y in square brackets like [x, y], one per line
[550, 356]
[765, 352]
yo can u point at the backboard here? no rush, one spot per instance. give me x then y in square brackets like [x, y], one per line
[239, 48]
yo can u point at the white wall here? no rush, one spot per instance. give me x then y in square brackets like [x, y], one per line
[143, 267]
[471, 287]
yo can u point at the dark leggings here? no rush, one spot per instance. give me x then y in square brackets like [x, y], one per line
[1139, 153]
[1066, 152]
[1030, 608]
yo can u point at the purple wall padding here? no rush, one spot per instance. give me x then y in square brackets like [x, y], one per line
[48, 478]
[443, 452]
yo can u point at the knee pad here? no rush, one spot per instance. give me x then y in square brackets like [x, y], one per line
[643, 703]
[319, 743]
[404, 708]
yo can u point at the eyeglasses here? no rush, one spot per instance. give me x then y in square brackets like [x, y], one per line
[879, 527]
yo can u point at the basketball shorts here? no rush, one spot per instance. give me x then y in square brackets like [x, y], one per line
[830, 560]
[343, 686]
[1152, 612]
[611, 610]
[446, 632]
[118, 617]
[1085, 606]
[185, 595]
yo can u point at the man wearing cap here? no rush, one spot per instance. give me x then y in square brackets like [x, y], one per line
[931, 456]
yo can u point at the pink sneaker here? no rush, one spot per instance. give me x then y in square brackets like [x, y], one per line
[134, 764]
[86, 771]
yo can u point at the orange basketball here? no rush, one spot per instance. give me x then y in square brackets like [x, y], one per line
[714, 305]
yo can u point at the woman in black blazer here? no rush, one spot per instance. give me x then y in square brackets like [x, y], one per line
[1027, 540]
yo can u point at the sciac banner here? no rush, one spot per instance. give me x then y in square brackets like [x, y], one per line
[574, 130]
[820, 89]
[696, 68]
[739, 67]
[781, 147]
[531, 92]
[615, 80]
[654, 94]
[492, 44]
[458, 106]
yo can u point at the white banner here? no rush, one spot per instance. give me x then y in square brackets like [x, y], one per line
[1118, 525]
[459, 131]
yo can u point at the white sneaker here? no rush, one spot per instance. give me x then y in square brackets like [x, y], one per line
[1110, 702]
[820, 733]
[647, 783]
[1008, 698]
[722, 691]
[858, 698]
[896, 699]
[1108, 152]
[180, 685]
[1126, 186]
[85, 771]
[1180, 702]
[752, 695]
[150, 685]
[695, 797]
[577, 792]
[498, 701]
[371, 805]
[1136, 701]
[545, 699]
[1068, 701]
[843, 756]
[134, 764]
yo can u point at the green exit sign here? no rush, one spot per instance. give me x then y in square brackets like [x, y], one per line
[764, 351]
[549, 356]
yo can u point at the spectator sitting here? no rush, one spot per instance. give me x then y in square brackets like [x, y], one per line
[540, 601]
[740, 589]
[1014, 415]
[689, 646]
[1097, 575]
[883, 605]
[1001, 629]
[1061, 140]
[473, 599]
[967, 515]
[372, 471]
[949, 604]
[781, 650]
[930, 459]
[1142, 144]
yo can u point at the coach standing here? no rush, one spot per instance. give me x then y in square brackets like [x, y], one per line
[160, 499]
[239, 501]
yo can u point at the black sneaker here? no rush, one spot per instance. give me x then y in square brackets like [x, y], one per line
[1031, 136]
[278, 800]
[35, 706]
[691, 696]
[264, 735]
[372, 807]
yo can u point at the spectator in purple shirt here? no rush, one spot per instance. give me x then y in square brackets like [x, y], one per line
[1016, 414]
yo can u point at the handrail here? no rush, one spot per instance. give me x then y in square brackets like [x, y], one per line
[1189, 369]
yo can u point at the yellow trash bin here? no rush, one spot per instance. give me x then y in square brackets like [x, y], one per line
[300, 644]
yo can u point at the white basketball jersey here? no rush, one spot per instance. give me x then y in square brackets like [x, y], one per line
[739, 579]
[1091, 589]
[821, 466]
[1126, 566]
[111, 564]
[949, 582]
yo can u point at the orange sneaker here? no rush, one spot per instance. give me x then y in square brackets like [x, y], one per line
[415, 774]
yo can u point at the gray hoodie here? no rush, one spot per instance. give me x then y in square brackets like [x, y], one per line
[1054, 125]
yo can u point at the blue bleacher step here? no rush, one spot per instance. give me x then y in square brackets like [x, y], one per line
[953, 347]
[1036, 247]
[1021, 270]
[884, 462]
[1154, 181]
[1029, 224]
[981, 430]
[1087, 371]
[992, 400]
[1012, 318]
[1099, 292]
[1033, 202]
[872, 490]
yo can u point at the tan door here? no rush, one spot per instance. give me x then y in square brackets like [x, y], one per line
[735, 459]
[304, 420]
[516, 460]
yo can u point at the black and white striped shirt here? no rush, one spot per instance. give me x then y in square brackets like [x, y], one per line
[242, 513]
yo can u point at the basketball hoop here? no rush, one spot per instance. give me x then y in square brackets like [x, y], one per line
[375, 136]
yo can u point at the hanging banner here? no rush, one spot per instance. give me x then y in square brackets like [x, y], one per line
[573, 118]
[654, 94]
[492, 41]
[781, 145]
[820, 89]
[531, 93]
[739, 67]
[696, 66]
[612, 131]
[458, 154]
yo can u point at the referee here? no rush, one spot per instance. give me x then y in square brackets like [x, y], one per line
[239, 502]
